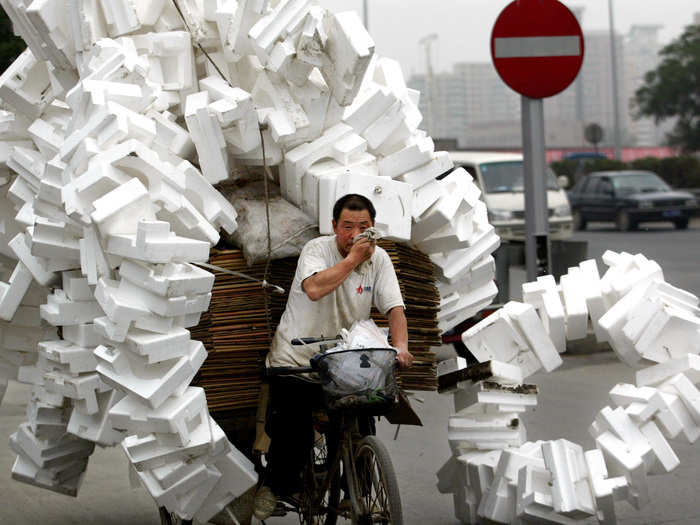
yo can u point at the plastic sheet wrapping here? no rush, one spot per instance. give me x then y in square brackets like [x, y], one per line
[290, 228]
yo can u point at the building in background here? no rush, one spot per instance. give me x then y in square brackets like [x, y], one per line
[474, 106]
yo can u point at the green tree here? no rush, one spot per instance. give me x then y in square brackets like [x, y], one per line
[10, 45]
[672, 90]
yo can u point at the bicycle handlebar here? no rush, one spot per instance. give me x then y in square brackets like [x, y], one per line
[288, 370]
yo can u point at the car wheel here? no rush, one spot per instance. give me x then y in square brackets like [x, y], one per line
[579, 222]
[623, 221]
[681, 224]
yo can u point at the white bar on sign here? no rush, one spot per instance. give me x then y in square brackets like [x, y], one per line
[537, 46]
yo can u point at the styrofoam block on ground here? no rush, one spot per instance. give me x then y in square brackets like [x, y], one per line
[499, 503]
[150, 383]
[97, 427]
[391, 199]
[654, 375]
[77, 359]
[620, 461]
[624, 394]
[155, 243]
[606, 490]
[158, 347]
[534, 499]
[122, 210]
[177, 415]
[147, 453]
[25, 471]
[571, 493]
[60, 311]
[20, 246]
[665, 458]
[12, 293]
[525, 318]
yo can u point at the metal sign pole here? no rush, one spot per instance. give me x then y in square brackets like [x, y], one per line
[537, 255]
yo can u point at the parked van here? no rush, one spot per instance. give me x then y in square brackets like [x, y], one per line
[500, 177]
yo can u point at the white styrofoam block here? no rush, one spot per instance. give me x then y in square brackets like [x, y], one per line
[621, 425]
[349, 49]
[670, 333]
[612, 324]
[238, 475]
[495, 337]
[50, 453]
[571, 492]
[121, 210]
[457, 263]
[83, 389]
[12, 293]
[422, 175]
[177, 415]
[77, 359]
[682, 386]
[531, 327]
[147, 453]
[475, 397]
[620, 461]
[20, 246]
[606, 490]
[407, 159]
[484, 432]
[207, 136]
[654, 375]
[456, 186]
[391, 199]
[573, 291]
[158, 347]
[594, 295]
[97, 427]
[25, 85]
[26, 471]
[61, 311]
[83, 335]
[666, 459]
[150, 383]
[165, 306]
[155, 243]
[674, 417]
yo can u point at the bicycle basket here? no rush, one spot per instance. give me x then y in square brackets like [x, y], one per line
[361, 379]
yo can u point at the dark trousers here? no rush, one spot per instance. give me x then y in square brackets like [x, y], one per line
[291, 432]
[290, 427]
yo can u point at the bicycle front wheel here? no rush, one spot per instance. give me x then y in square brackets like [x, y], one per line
[376, 494]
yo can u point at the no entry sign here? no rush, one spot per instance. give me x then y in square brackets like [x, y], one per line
[537, 47]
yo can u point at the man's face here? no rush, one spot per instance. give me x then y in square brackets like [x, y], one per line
[350, 223]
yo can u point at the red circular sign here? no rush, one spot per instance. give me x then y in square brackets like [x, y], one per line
[537, 47]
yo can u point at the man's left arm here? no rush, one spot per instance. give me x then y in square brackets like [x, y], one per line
[398, 327]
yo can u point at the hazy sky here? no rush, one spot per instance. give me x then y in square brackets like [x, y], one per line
[464, 26]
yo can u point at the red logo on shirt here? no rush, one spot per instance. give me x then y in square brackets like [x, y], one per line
[359, 290]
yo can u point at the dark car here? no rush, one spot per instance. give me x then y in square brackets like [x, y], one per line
[629, 198]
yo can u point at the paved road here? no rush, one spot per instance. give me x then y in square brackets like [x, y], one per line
[568, 402]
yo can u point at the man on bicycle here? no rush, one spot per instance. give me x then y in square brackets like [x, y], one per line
[337, 281]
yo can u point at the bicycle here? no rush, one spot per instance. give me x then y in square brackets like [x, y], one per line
[341, 457]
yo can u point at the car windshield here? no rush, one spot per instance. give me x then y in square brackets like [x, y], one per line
[504, 177]
[640, 182]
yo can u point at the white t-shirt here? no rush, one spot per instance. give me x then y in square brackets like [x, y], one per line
[374, 282]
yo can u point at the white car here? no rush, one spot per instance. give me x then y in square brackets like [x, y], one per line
[500, 177]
